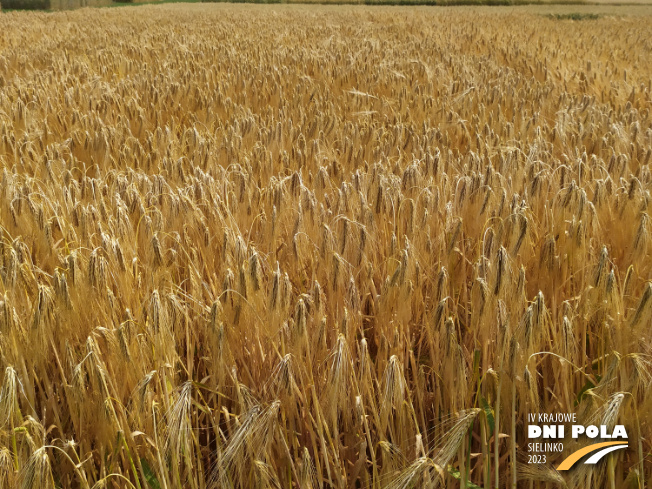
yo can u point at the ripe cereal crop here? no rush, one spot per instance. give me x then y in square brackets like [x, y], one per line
[322, 246]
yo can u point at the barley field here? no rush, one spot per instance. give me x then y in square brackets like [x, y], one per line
[322, 247]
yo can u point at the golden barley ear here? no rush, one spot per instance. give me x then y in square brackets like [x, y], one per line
[7, 469]
[9, 409]
[542, 473]
[37, 472]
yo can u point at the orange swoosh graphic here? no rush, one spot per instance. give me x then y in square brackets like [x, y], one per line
[575, 456]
